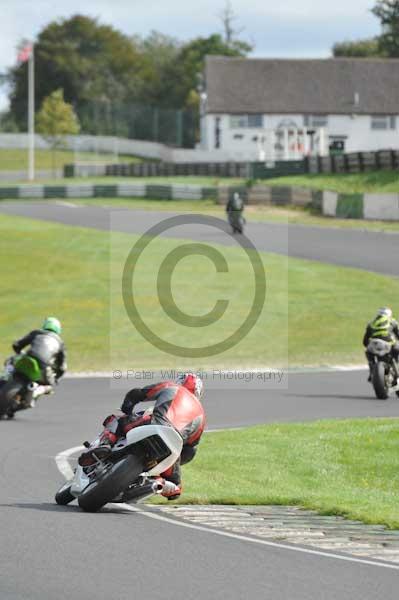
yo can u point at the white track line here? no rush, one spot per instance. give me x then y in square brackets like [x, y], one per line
[62, 461]
[65, 203]
[65, 468]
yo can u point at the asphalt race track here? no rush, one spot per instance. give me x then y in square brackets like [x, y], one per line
[60, 553]
[373, 251]
[51, 552]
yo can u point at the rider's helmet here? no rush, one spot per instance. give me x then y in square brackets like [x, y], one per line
[192, 383]
[385, 312]
[52, 324]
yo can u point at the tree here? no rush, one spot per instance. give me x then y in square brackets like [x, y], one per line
[87, 60]
[55, 120]
[191, 60]
[388, 13]
[110, 78]
[358, 49]
[227, 17]
[159, 54]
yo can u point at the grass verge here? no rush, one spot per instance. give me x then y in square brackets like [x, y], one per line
[348, 468]
[373, 182]
[48, 268]
[17, 159]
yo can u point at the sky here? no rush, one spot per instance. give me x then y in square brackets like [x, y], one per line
[289, 28]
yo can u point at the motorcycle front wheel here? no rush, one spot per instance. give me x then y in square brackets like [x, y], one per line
[379, 381]
[64, 496]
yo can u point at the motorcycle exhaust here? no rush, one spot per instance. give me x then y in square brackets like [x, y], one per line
[156, 486]
[141, 492]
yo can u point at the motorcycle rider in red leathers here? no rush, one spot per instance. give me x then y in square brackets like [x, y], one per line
[177, 405]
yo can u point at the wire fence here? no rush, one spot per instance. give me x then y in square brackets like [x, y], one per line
[168, 126]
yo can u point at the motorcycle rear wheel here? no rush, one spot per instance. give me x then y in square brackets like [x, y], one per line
[7, 395]
[379, 383]
[105, 489]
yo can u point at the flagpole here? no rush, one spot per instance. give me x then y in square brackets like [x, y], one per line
[31, 115]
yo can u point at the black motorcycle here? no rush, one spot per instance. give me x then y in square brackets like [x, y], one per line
[384, 370]
[20, 384]
[236, 221]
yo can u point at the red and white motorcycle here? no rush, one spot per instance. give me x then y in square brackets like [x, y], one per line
[127, 472]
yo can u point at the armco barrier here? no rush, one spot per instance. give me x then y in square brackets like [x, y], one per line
[379, 207]
[382, 207]
[161, 192]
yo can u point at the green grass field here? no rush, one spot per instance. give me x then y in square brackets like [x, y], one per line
[372, 182]
[17, 160]
[348, 468]
[48, 268]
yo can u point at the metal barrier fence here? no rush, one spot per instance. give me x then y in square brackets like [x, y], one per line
[242, 170]
[121, 190]
[354, 162]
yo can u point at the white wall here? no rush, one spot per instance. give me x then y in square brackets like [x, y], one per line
[384, 207]
[91, 143]
[87, 143]
[356, 129]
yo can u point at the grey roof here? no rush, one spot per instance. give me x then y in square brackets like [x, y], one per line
[324, 86]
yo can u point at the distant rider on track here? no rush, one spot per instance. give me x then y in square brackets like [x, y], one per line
[235, 209]
[383, 327]
[47, 347]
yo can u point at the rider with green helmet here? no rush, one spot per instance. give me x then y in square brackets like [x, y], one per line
[382, 327]
[48, 348]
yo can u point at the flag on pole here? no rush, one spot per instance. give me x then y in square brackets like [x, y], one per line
[25, 53]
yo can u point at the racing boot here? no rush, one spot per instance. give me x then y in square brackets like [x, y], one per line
[169, 490]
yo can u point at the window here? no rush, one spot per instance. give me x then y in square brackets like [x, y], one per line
[238, 121]
[243, 121]
[255, 120]
[316, 121]
[383, 122]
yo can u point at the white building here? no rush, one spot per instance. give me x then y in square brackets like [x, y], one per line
[261, 109]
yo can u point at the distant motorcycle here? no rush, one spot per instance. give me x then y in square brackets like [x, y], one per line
[236, 221]
[20, 384]
[385, 370]
[127, 472]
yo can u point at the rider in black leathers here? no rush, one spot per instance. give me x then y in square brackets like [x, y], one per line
[235, 209]
[48, 348]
